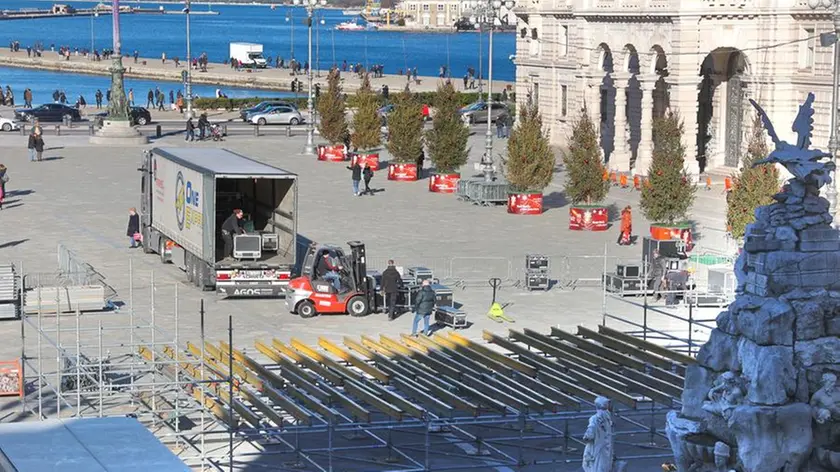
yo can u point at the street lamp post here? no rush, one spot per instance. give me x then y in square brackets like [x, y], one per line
[310, 6]
[188, 77]
[487, 12]
[92, 44]
[827, 39]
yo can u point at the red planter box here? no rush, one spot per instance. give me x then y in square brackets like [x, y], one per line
[525, 203]
[402, 172]
[332, 153]
[372, 160]
[444, 183]
[588, 218]
[668, 233]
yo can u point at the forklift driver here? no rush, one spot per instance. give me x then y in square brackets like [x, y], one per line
[329, 269]
[231, 226]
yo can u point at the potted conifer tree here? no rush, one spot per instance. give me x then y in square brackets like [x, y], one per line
[586, 187]
[754, 186]
[333, 122]
[405, 137]
[669, 193]
[367, 126]
[447, 141]
[529, 167]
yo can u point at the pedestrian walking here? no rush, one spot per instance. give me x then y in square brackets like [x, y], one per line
[4, 179]
[27, 98]
[108, 95]
[179, 103]
[391, 283]
[171, 97]
[367, 174]
[161, 99]
[130, 96]
[625, 237]
[423, 306]
[659, 267]
[163, 58]
[150, 99]
[136, 55]
[356, 176]
[98, 97]
[500, 127]
[10, 97]
[133, 231]
[56, 95]
[203, 123]
[190, 129]
[82, 102]
[62, 97]
[35, 145]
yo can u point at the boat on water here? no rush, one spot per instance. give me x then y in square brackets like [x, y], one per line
[351, 12]
[354, 26]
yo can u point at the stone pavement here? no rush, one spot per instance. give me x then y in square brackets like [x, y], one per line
[217, 74]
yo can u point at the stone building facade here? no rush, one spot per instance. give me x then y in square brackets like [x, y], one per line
[433, 14]
[629, 61]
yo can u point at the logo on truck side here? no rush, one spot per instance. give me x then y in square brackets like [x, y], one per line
[185, 199]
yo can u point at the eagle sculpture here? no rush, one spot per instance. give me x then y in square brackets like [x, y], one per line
[805, 164]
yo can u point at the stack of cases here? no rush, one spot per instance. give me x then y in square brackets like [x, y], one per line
[537, 269]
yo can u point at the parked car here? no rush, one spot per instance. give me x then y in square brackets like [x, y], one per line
[477, 112]
[48, 112]
[262, 107]
[8, 125]
[139, 116]
[280, 115]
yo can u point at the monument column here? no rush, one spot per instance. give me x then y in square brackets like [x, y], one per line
[117, 128]
[620, 158]
[645, 155]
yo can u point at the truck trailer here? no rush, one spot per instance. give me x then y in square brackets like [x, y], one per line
[250, 54]
[186, 195]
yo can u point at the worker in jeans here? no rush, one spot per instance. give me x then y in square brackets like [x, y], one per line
[330, 269]
[423, 306]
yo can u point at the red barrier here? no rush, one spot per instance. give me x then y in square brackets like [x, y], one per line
[444, 183]
[402, 172]
[332, 153]
[588, 218]
[370, 159]
[525, 203]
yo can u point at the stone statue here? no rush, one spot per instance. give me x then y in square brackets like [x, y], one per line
[598, 453]
[826, 400]
[722, 453]
[727, 393]
[805, 164]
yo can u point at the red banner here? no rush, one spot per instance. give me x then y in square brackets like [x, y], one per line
[402, 172]
[667, 233]
[525, 203]
[444, 183]
[371, 160]
[331, 153]
[588, 219]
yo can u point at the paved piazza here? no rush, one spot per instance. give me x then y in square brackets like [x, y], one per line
[81, 194]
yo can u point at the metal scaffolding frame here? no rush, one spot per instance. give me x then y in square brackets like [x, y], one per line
[406, 404]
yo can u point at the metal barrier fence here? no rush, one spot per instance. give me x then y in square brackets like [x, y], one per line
[78, 272]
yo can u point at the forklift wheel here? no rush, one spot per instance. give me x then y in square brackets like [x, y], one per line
[357, 306]
[306, 309]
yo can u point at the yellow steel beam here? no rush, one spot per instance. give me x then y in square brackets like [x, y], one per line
[647, 346]
[352, 344]
[309, 363]
[434, 364]
[291, 372]
[355, 361]
[621, 346]
[495, 355]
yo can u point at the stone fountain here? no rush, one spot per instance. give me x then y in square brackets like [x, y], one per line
[762, 396]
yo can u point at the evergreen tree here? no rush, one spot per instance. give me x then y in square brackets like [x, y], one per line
[754, 187]
[670, 192]
[333, 123]
[405, 128]
[585, 182]
[367, 126]
[447, 140]
[530, 162]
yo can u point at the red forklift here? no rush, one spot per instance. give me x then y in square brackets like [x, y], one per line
[309, 295]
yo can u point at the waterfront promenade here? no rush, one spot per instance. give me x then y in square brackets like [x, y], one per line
[217, 74]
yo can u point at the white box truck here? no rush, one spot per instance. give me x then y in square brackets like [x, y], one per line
[186, 195]
[250, 54]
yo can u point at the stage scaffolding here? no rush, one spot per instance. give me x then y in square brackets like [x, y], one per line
[520, 400]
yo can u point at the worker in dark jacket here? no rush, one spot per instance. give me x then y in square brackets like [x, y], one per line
[391, 283]
[423, 306]
[133, 231]
[356, 175]
[657, 273]
[231, 226]
[367, 174]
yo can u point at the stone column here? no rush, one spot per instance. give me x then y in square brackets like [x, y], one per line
[620, 159]
[645, 154]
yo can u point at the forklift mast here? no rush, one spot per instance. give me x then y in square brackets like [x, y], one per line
[358, 264]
